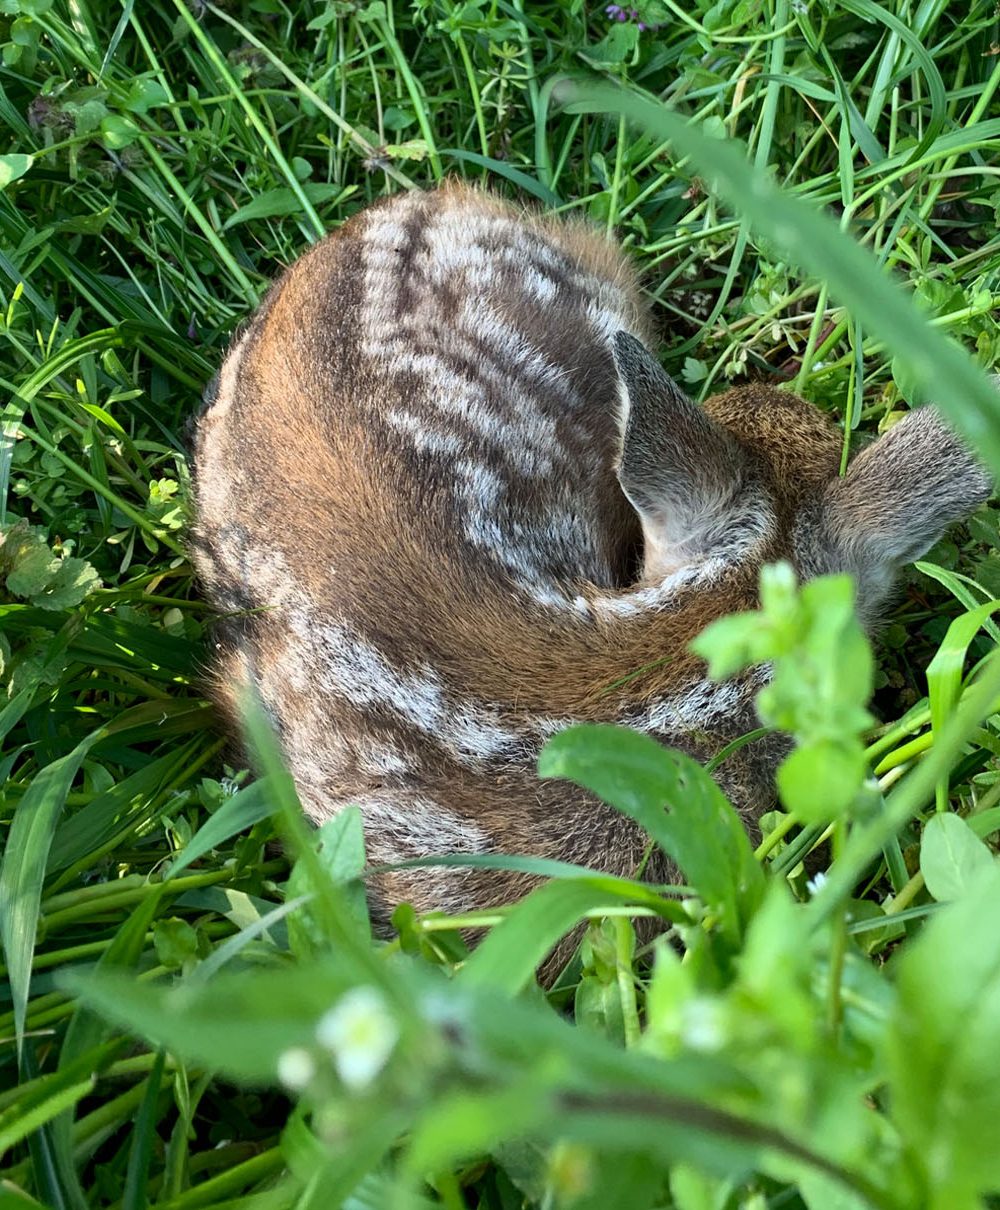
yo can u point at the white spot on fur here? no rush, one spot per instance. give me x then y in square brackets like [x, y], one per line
[350, 668]
[657, 596]
[225, 394]
[215, 487]
[511, 348]
[404, 825]
[424, 439]
[382, 760]
[269, 575]
[702, 704]
[607, 321]
[542, 288]
[550, 597]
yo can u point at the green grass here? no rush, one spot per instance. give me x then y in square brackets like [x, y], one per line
[832, 1045]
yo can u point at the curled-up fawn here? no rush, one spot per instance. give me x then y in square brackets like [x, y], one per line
[449, 501]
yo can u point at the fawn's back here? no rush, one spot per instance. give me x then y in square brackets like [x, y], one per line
[450, 503]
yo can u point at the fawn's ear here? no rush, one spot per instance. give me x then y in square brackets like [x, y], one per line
[684, 474]
[898, 497]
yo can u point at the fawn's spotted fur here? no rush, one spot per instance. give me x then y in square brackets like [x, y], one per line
[463, 503]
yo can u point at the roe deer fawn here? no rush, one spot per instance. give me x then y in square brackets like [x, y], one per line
[449, 501]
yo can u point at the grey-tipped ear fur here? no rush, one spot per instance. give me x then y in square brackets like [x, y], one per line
[684, 474]
[898, 497]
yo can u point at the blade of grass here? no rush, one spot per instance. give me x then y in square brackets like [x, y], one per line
[23, 870]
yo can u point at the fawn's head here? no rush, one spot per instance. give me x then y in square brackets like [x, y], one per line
[753, 477]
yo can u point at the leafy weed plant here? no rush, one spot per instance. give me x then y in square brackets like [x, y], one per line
[192, 1015]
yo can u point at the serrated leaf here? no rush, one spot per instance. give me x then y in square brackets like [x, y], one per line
[411, 149]
[465, 1124]
[74, 580]
[35, 567]
[617, 45]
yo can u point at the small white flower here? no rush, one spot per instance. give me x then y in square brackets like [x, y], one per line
[703, 1024]
[296, 1068]
[815, 885]
[360, 1034]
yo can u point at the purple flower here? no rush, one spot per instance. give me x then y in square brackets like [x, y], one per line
[617, 12]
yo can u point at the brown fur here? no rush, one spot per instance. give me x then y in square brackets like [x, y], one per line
[418, 503]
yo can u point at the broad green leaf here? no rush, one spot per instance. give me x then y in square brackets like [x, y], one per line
[33, 564]
[13, 166]
[235, 1024]
[814, 241]
[276, 203]
[819, 781]
[144, 94]
[821, 1193]
[23, 870]
[676, 803]
[693, 1190]
[339, 844]
[952, 857]
[467, 1124]
[943, 1042]
[347, 1176]
[175, 942]
[73, 580]
[635, 1181]
[118, 131]
[373, 1192]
